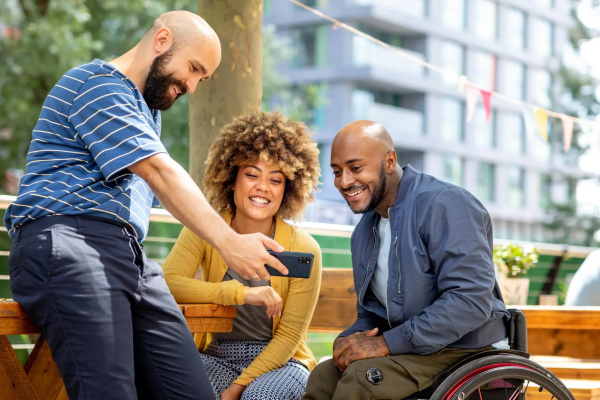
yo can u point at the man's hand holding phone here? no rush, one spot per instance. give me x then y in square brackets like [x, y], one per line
[247, 255]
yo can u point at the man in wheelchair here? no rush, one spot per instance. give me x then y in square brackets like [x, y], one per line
[423, 274]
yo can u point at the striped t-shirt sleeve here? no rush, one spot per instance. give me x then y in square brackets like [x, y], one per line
[111, 125]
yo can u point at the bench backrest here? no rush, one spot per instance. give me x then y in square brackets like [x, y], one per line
[336, 308]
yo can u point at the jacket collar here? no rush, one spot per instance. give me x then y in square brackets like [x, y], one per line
[409, 176]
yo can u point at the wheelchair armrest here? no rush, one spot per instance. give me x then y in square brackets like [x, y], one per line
[516, 328]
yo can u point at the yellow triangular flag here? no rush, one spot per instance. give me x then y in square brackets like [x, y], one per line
[541, 119]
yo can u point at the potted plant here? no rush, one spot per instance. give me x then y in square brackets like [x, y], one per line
[513, 262]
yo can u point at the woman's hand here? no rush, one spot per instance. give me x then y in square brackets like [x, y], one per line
[233, 392]
[264, 296]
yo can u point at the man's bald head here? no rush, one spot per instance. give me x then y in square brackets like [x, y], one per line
[363, 131]
[186, 28]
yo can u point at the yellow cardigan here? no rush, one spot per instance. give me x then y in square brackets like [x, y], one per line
[299, 296]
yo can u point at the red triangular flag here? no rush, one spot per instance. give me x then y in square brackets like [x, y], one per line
[487, 103]
[567, 122]
[472, 95]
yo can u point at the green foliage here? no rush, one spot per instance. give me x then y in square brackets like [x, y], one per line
[578, 98]
[52, 36]
[514, 261]
[565, 223]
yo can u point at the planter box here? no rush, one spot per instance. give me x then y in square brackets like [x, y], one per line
[514, 290]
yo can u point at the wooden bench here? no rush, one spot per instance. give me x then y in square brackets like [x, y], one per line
[39, 378]
[552, 331]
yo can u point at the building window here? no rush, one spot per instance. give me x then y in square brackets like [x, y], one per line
[483, 133]
[486, 23]
[453, 169]
[513, 79]
[484, 73]
[536, 146]
[516, 186]
[542, 87]
[545, 3]
[453, 59]
[314, 3]
[454, 15]
[310, 43]
[485, 181]
[513, 133]
[543, 37]
[515, 29]
[452, 119]
[545, 191]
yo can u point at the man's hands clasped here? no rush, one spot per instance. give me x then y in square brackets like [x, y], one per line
[358, 346]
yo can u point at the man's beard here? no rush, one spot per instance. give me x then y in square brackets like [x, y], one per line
[378, 193]
[158, 84]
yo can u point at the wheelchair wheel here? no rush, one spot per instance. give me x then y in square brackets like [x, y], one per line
[502, 378]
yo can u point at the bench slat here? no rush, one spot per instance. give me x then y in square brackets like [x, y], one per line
[208, 311]
[14, 384]
[336, 307]
[212, 324]
[43, 372]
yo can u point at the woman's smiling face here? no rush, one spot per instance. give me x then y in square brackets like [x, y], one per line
[258, 190]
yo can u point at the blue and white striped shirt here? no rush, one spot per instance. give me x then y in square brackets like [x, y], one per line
[93, 125]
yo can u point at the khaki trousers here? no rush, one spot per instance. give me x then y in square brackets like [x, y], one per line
[403, 375]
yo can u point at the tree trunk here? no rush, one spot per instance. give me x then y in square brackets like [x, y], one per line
[236, 86]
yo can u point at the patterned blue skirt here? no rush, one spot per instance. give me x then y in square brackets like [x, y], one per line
[224, 361]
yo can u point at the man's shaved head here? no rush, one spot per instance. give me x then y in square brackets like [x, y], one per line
[186, 28]
[371, 131]
[364, 165]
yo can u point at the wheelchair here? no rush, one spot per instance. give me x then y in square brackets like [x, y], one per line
[498, 374]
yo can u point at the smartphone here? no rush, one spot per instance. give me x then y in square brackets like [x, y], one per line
[299, 265]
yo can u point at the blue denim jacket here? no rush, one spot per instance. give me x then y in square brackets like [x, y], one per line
[442, 291]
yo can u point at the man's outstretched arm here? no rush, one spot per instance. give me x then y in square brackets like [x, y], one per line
[179, 194]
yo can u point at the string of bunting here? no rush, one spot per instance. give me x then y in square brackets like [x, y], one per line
[534, 117]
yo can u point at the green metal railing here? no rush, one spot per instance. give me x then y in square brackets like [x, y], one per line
[334, 241]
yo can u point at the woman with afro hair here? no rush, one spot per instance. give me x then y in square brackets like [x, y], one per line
[261, 170]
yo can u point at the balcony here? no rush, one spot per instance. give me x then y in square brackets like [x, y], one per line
[414, 8]
[368, 54]
[400, 122]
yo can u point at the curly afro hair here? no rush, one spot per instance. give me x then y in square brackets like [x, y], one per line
[272, 138]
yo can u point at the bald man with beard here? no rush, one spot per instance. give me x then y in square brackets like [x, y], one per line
[423, 273]
[94, 166]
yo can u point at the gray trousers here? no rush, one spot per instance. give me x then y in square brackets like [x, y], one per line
[114, 329]
[403, 375]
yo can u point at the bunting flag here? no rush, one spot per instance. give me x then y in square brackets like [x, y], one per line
[472, 95]
[541, 119]
[534, 116]
[486, 97]
[567, 122]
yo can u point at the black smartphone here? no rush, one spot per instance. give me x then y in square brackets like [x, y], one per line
[299, 264]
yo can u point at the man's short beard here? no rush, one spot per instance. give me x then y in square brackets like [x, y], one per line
[158, 84]
[378, 193]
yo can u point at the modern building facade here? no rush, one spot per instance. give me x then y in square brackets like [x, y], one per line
[513, 47]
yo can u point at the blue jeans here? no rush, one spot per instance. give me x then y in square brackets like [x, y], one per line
[113, 327]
